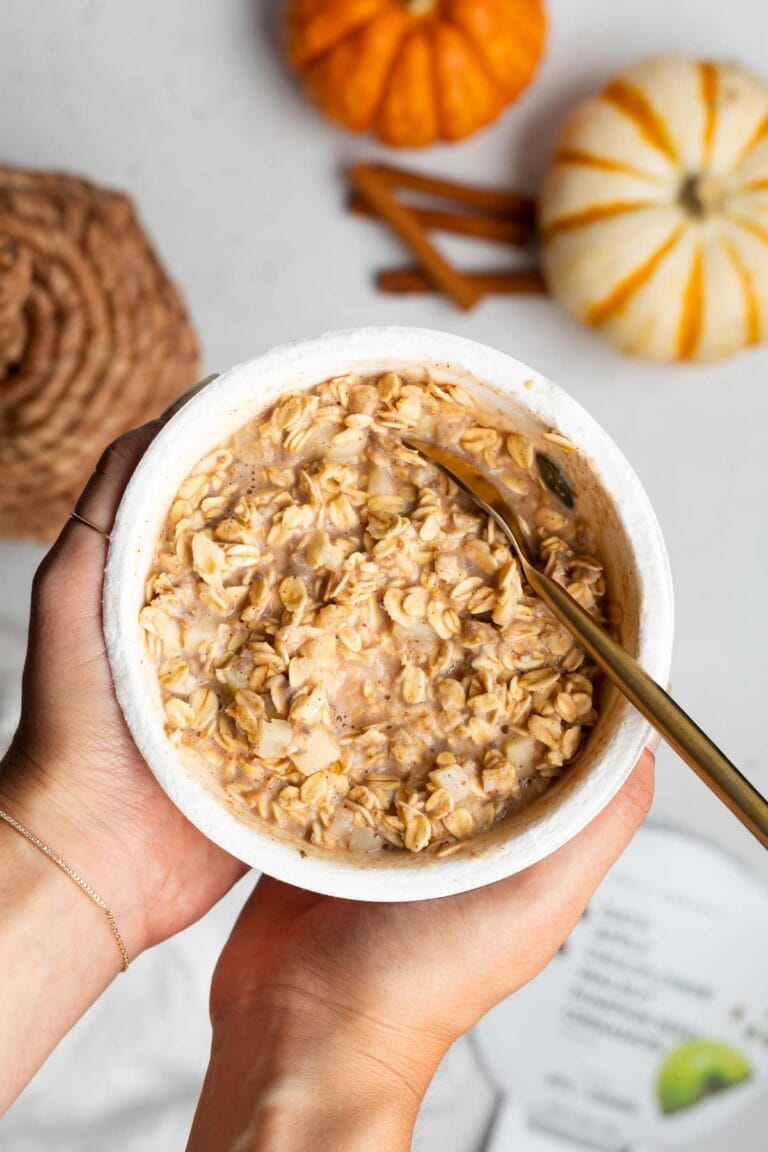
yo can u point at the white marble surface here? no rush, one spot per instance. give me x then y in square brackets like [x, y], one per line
[187, 105]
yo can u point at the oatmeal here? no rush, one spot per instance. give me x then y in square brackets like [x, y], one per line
[348, 641]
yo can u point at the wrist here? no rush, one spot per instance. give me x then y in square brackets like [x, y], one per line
[54, 807]
[57, 951]
[300, 1073]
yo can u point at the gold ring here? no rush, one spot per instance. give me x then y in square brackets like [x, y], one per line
[88, 524]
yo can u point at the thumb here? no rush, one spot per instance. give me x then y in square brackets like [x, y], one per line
[566, 880]
[554, 893]
[601, 843]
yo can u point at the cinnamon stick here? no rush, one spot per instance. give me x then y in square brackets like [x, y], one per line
[408, 281]
[376, 190]
[490, 200]
[509, 231]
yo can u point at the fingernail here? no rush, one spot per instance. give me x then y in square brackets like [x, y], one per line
[190, 392]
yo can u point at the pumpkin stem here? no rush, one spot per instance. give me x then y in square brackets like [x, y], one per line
[419, 7]
[701, 195]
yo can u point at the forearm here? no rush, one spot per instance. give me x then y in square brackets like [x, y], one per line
[295, 1081]
[57, 953]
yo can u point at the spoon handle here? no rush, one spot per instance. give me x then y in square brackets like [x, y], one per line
[667, 717]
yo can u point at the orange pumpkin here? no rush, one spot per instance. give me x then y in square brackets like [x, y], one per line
[415, 71]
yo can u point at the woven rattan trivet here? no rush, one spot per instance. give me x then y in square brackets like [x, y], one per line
[94, 339]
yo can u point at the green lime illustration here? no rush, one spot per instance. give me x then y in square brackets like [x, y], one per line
[698, 1069]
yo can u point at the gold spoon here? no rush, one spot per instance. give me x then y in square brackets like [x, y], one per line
[679, 731]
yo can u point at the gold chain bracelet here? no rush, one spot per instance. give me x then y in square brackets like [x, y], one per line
[73, 876]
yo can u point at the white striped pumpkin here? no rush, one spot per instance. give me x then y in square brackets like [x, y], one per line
[654, 214]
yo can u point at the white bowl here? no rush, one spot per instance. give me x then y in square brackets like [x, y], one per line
[609, 494]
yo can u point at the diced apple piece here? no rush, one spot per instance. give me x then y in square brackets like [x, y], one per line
[320, 438]
[233, 676]
[321, 751]
[453, 779]
[199, 631]
[380, 482]
[364, 840]
[273, 739]
[520, 751]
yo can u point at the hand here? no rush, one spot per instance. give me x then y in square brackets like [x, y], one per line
[340, 1011]
[74, 775]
